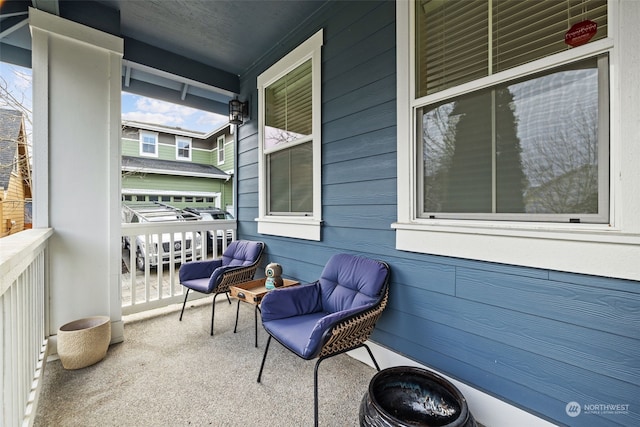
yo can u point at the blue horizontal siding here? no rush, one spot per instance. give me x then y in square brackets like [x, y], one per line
[361, 99]
[535, 338]
[361, 123]
[491, 366]
[605, 310]
[360, 193]
[375, 168]
[375, 142]
[358, 216]
[565, 342]
[349, 38]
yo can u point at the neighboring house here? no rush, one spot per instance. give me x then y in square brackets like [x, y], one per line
[15, 174]
[177, 166]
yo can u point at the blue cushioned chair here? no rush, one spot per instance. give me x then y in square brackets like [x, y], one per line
[335, 314]
[238, 264]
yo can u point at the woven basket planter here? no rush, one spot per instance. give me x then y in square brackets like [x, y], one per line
[83, 342]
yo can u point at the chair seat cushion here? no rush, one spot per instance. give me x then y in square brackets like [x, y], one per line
[200, 285]
[303, 334]
[296, 333]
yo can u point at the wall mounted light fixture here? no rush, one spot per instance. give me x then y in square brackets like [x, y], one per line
[238, 111]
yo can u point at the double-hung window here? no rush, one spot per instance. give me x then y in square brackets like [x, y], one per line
[148, 144]
[526, 146]
[183, 148]
[289, 134]
[510, 140]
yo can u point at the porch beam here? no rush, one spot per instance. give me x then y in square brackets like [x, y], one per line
[159, 59]
[174, 96]
[15, 55]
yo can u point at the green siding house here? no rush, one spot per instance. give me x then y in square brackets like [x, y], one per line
[177, 166]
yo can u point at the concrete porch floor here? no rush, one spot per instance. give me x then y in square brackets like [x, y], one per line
[170, 373]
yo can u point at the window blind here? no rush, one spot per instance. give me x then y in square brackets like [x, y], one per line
[288, 106]
[451, 43]
[454, 43]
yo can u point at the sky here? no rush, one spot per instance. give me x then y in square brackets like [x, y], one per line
[148, 110]
[134, 107]
[17, 82]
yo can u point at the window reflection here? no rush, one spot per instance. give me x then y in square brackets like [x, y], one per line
[525, 147]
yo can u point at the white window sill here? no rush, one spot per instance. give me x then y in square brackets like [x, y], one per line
[586, 249]
[295, 227]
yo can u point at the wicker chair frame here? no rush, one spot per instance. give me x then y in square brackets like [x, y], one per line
[353, 331]
[230, 278]
[347, 334]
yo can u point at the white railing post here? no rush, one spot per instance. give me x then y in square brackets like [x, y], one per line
[23, 343]
[157, 284]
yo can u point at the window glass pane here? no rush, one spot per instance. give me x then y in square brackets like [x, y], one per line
[529, 146]
[221, 149]
[288, 114]
[183, 148]
[148, 144]
[453, 44]
[291, 178]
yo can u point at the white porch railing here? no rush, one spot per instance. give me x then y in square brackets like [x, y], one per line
[23, 322]
[169, 244]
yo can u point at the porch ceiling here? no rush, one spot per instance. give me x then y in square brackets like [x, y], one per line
[190, 52]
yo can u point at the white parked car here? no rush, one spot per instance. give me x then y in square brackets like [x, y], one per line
[209, 214]
[156, 248]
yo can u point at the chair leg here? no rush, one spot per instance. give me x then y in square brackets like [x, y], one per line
[372, 358]
[237, 313]
[315, 380]
[315, 392]
[266, 349]
[213, 311]
[184, 303]
[228, 299]
[255, 323]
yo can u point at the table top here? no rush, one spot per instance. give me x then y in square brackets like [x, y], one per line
[253, 291]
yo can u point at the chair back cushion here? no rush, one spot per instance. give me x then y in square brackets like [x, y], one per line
[349, 281]
[241, 253]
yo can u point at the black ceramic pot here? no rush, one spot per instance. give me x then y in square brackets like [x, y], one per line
[406, 396]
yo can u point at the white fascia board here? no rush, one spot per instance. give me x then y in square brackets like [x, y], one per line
[133, 191]
[163, 129]
[175, 173]
[173, 131]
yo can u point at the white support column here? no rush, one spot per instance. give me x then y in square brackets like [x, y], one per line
[77, 96]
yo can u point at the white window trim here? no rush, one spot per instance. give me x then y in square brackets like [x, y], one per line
[299, 227]
[220, 148]
[155, 135]
[611, 250]
[188, 141]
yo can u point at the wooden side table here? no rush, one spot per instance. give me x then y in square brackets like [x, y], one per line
[252, 292]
